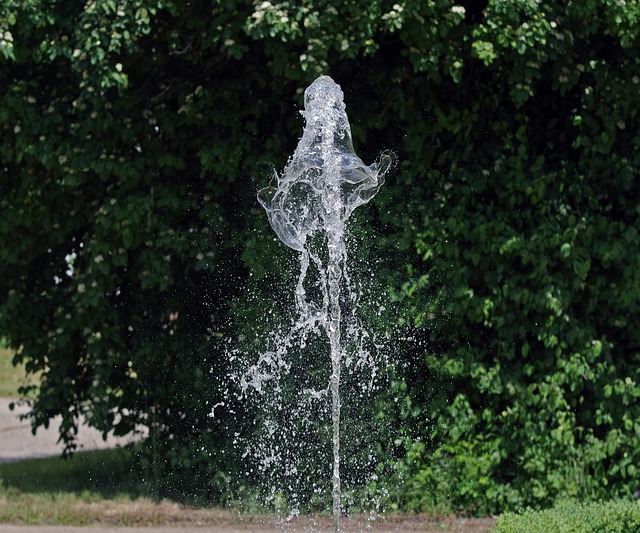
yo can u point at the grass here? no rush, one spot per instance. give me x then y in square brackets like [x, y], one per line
[87, 509]
[107, 487]
[97, 487]
[11, 377]
[106, 473]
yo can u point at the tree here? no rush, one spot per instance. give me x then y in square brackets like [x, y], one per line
[526, 174]
[130, 138]
[507, 235]
[124, 146]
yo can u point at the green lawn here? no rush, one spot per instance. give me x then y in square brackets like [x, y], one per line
[11, 377]
[107, 487]
[62, 491]
[105, 473]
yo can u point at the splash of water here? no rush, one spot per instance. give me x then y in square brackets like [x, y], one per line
[308, 206]
[325, 180]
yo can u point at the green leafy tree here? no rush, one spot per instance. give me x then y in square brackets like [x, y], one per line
[131, 132]
[525, 176]
[124, 146]
[130, 135]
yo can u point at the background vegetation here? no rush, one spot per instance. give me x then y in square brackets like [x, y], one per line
[507, 237]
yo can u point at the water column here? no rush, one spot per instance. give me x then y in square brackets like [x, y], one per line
[308, 206]
[333, 332]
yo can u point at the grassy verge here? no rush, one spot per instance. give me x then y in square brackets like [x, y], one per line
[88, 510]
[11, 377]
[106, 473]
[98, 487]
[107, 487]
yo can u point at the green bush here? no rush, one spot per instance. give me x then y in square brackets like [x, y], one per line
[604, 517]
[521, 184]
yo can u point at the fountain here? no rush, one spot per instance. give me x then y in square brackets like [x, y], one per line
[308, 207]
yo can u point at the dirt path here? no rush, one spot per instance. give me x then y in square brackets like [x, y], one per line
[112, 516]
[18, 443]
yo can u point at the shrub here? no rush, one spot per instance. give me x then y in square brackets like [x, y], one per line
[523, 201]
[603, 517]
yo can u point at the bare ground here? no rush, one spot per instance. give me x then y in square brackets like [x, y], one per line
[130, 516]
[167, 514]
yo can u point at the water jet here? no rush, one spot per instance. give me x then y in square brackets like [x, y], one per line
[308, 206]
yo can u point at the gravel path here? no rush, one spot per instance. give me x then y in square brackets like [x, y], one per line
[18, 443]
[476, 526]
[8, 528]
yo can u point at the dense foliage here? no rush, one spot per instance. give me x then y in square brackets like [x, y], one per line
[508, 235]
[529, 277]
